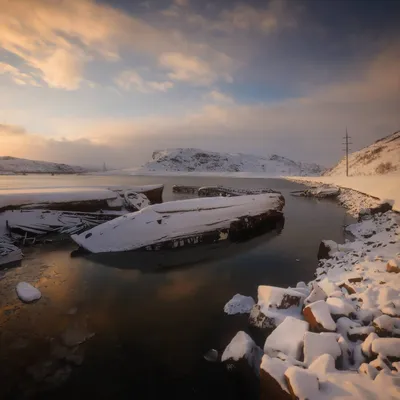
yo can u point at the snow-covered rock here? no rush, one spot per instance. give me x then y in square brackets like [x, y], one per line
[318, 316]
[196, 160]
[339, 307]
[239, 304]
[27, 293]
[287, 338]
[302, 383]
[21, 165]
[316, 294]
[273, 384]
[241, 347]
[178, 223]
[279, 298]
[317, 344]
[387, 347]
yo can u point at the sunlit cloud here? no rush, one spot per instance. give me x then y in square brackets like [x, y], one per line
[131, 80]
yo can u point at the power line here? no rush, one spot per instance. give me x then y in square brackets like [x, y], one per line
[347, 137]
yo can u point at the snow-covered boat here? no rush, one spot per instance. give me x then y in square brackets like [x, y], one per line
[82, 199]
[212, 191]
[320, 192]
[185, 222]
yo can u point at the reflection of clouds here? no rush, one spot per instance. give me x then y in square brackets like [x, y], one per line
[181, 285]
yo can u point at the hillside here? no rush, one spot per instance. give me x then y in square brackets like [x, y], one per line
[195, 160]
[380, 158]
[13, 165]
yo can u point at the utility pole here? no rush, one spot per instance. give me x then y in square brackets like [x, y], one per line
[347, 137]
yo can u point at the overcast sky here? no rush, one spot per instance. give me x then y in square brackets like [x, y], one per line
[86, 81]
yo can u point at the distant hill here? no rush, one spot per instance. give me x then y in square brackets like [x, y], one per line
[196, 160]
[13, 165]
[381, 157]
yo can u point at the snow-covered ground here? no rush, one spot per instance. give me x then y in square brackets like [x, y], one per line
[11, 165]
[380, 158]
[382, 187]
[196, 161]
[338, 337]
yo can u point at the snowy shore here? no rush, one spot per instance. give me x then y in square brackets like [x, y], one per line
[337, 337]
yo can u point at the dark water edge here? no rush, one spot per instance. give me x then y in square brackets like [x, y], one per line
[154, 315]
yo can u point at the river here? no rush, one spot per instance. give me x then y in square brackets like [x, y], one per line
[153, 315]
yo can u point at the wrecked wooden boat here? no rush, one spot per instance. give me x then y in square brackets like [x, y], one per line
[9, 253]
[185, 223]
[183, 189]
[81, 199]
[213, 191]
[320, 192]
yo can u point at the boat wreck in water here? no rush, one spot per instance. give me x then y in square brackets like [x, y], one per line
[320, 192]
[215, 191]
[185, 223]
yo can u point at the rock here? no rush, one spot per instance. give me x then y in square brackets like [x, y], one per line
[239, 304]
[272, 379]
[381, 208]
[350, 290]
[368, 370]
[326, 249]
[27, 293]
[316, 294]
[323, 364]
[317, 344]
[242, 347]
[355, 279]
[302, 383]
[211, 355]
[387, 348]
[318, 316]
[366, 346]
[339, 307]
[380, 363]
[384, 325]
[287, 338]
[265, 319]
[359, 333]
[392, 267]
[279, 298]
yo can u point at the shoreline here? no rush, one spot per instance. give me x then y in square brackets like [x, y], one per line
[353, 304]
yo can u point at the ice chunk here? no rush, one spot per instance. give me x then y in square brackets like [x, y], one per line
[287, 338]
[27, 293]
[239, 304]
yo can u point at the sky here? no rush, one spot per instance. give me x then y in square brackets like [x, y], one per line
[86, 82]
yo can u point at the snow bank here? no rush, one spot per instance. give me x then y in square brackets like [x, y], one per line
[174, 221]
[379, 186]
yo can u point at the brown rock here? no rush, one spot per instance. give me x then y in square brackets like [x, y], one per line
[349, 289]
[309, 316]
[360, 333]
[271, 389]
[392, 267]
[356, 279]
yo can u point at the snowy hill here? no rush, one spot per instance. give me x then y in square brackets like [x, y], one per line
[10, 165]
[196, 160]
[381, 157]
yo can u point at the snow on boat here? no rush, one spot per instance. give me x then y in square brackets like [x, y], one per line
[82, 199]
[9, 253]
[183, 189]
[212, 191]
[185, 222]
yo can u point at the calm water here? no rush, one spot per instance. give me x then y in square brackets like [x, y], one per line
[154, 315]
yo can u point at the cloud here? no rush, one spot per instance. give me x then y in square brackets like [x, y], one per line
[20, 78]
[130, 79]
[182, 3]
[219, 97]
[11, 130]
[52, 36]
[190, 69]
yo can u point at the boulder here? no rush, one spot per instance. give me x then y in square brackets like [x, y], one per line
[27, 293]
[287, 338]
[316, 294]
[302, 384]
[339, 307]
[318, 316]
[366, 346]
[317, 344]
[272, 379]
[263, 318]
[326, 249]
[384, 325]
[392, 267]
[387, 348]
[359, 333]
[280, 298]
[239, 304]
